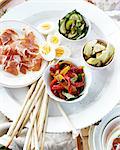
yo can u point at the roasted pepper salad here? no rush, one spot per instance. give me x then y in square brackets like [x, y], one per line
[67, 80]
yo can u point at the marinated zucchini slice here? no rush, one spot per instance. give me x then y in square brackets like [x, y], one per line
[69, 24]
[62, 28]
[76, 17]
[70, 35]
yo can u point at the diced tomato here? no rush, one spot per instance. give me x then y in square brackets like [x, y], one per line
[52, 69]
[12, 68]
[57, 66]
[80, 69]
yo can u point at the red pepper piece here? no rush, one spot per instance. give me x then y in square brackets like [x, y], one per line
[53, 82]
[57, 87]
[68, 80]
[78, 84]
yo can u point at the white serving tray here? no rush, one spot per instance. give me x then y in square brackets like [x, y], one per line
[104, 92]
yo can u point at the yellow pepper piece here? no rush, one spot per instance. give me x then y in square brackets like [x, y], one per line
[65, 70]
[59, 77]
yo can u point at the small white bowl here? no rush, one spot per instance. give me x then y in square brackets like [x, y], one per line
[88, 79]
[110, 62]
[87, 34]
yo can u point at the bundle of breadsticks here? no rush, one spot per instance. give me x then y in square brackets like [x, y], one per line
[34, 114]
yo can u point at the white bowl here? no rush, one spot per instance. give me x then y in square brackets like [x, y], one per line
[110, 62]
[87, 34]
[88, 79]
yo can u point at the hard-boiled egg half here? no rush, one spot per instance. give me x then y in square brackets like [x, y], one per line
[53, 39]
[46, 27]
[62, 51]
[47, 52]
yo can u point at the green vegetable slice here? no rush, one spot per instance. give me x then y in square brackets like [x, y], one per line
[74, 79]
[62, 28]
[70, 35]
[68, 95]
[76, 17]
[79, 77]
[70, 23]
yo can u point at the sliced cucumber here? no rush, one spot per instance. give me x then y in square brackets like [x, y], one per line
[78, 23]
[82, 27]
[62, 28]
[73, 30]
[70, 23]
[81, 36]
[70, 35]
[76, 17]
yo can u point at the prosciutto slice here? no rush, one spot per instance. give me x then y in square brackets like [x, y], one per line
[19, 55]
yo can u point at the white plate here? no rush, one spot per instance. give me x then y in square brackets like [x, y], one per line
[95, 140]
[8, 80]
[104, 93]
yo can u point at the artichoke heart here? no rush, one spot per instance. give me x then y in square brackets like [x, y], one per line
[98, 48]
[94, 62]
[106, 55]
[88, 49]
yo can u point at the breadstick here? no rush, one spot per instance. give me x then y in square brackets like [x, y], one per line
[30, 91]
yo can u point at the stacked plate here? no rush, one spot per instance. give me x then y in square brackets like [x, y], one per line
[103, 135]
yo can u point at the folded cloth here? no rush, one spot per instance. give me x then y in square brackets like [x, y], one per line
[56, 141]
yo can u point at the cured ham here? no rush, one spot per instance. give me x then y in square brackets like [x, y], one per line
[19, 54]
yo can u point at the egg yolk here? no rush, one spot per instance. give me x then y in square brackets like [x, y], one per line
[46, 26]
[54, 40]
[59, 51]
[46, 49]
